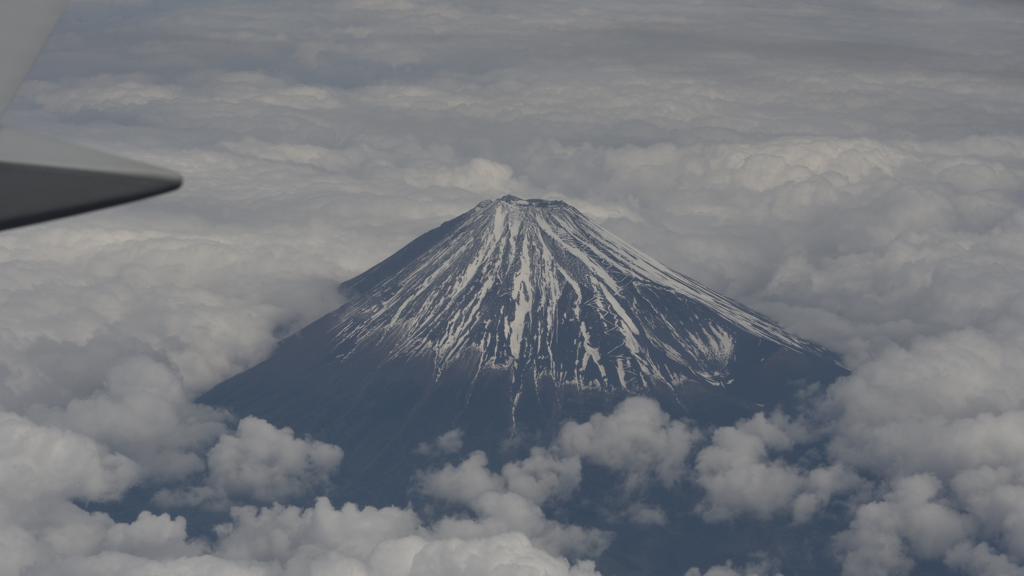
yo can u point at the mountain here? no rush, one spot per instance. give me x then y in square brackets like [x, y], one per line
[504, 322]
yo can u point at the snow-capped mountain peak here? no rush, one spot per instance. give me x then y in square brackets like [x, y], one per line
[502, 323]
[536, 288]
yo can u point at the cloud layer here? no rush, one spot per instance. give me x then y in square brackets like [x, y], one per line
[854, 169]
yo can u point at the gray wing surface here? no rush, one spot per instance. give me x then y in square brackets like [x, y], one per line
[40, 178]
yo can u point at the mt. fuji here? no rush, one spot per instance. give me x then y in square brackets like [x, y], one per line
[503, 323]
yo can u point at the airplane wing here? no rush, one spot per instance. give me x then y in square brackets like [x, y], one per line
[40, 178]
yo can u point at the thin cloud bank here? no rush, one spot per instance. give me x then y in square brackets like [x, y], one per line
[854, 169]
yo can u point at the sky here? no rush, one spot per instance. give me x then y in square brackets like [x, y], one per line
[852, 168]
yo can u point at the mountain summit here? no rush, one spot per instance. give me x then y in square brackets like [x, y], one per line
[504, 322]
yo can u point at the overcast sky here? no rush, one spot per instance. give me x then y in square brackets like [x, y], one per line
[852, 168]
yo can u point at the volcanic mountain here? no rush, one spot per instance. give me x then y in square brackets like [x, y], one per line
[504, 322]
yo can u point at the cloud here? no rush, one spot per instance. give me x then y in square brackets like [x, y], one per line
[261, 462]
[541, 476]
[152, 536]
[511, 501]
[762, 569]
[637, 438]
[267, 463]
[118, 563]
[508, 553]
[738, 477]
[966, 419]
[448, 443]
[981, 560]
[465, 482]
[907, 523]
[993, 496]
[385, 542]
[80, 300]
[946, 409]
[145, 413]
[42, 469]
[277, 532]
[538, 478]
[646, 515]
[38, 462]
[149, 536]
[280, 539]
